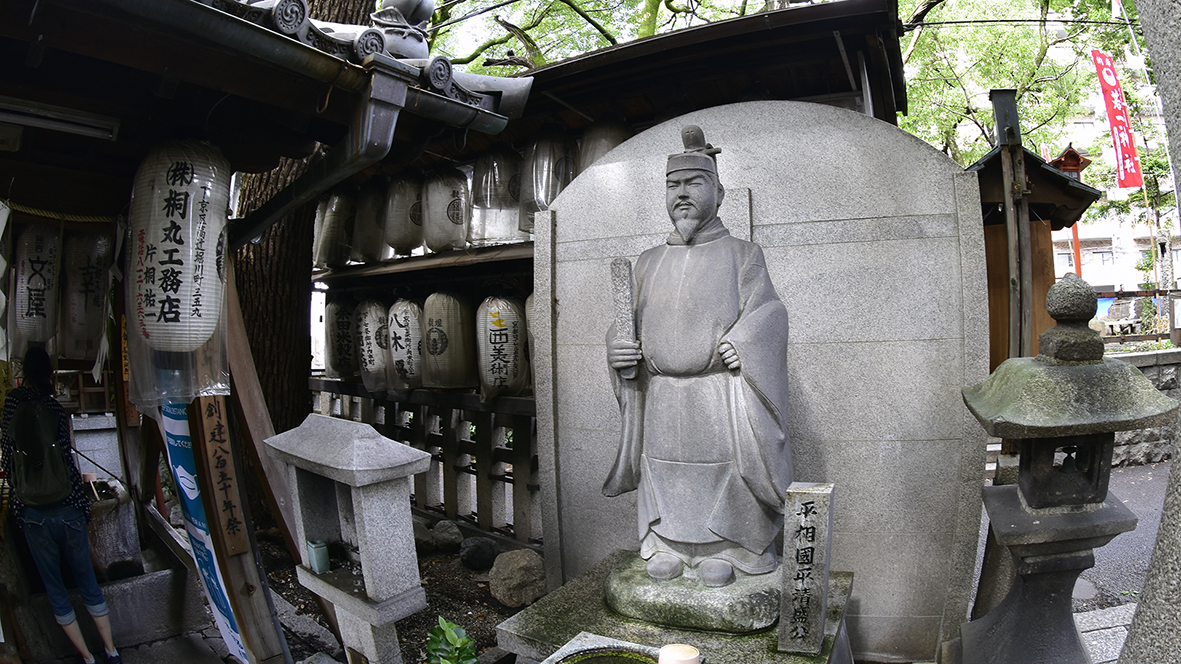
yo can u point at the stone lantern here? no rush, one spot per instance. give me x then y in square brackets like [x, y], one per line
[1063, 409]
[352, 485]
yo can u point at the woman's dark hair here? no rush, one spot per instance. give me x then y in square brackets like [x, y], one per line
[38, 369]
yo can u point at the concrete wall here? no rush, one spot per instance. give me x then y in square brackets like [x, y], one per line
[859, 221]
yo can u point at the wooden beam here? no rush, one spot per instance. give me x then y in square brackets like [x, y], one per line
[254, 418]
[255, 426]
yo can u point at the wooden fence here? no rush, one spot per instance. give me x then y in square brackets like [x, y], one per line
[484, 468]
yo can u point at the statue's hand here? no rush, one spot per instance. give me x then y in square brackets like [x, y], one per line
[623, 354]
[729, 356]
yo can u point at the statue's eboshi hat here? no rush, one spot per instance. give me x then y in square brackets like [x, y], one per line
[698, 155]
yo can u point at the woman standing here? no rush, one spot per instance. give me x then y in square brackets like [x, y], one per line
[57, 531]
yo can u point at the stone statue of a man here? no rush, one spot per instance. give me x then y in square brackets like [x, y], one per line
[704, 438]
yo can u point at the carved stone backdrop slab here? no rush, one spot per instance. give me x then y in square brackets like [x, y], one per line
[874, 242]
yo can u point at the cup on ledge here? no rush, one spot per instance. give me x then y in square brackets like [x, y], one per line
[679, 653]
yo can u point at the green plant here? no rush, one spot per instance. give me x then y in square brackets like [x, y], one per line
[1145, 266]
[449, 644]
[1148, 314]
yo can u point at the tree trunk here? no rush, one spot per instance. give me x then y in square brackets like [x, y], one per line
[274, 278]
[274, 281]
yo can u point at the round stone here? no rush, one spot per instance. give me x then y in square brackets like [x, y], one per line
[1072, 299]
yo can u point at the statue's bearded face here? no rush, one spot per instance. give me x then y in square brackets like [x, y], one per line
[692, 198]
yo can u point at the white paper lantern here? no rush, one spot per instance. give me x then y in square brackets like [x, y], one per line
[446, 210]
[496, 197]
[403, 214]
[600, 138]
[178, 220]
[404, 324]
[500, 347]
[38, 259]
[546, 170]
[340, 352]
[373, 344]
[368, 235]
[448, 344]
[318, 232]
[85, 285]
[336, 234]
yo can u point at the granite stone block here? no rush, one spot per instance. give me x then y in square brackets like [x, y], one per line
[1115, 616]
[893, 639]
[540, 630]
[596, 408]
[910, 501]
[315, 505]
[1104, 645]
[857, 230]
[803, 573]
[379, 644]
[875, 391]
[906, 301]
[352, 453]
[135, 615]
[605, 249]
[385, 537]
[347, 591]
[906, 573]
[587, 642]
[749, 603]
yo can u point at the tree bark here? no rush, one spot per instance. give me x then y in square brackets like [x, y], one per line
[274, 281]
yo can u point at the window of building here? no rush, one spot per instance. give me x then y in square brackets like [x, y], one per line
[1064, 259]
[1105, 257]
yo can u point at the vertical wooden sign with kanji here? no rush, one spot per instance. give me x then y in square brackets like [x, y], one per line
[217, 452]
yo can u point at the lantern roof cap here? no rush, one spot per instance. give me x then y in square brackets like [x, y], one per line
[1070, 389]
[349, 452]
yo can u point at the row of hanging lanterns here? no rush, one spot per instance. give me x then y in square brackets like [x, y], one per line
[442, 344]
[60, 289]
[175, 278]
[442, 210]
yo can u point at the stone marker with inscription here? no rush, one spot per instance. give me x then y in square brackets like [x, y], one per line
[807, 541]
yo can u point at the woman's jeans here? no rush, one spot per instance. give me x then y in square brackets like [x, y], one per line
[56, 534]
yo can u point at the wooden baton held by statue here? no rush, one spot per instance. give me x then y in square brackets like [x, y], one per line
[625, 313]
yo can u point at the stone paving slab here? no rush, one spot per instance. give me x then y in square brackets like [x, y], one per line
[1104, 645]
[1105, 618]
[188, 648]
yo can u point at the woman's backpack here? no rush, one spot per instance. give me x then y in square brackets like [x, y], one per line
[41, 474]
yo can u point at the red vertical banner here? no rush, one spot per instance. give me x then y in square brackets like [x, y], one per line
[1126, 161]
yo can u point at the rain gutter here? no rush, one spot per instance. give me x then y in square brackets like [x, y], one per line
[385, 85]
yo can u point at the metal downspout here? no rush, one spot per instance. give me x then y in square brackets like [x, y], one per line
[369, 140]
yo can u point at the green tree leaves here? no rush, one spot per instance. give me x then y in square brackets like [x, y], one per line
[952, 67]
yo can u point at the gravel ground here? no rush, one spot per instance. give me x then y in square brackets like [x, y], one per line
[452, 591]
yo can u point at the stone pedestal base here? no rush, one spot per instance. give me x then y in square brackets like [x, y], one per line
[1033, 624]
[540, 630]
[366, 626]
[748, 604]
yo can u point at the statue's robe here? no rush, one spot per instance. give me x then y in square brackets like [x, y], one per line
[706, 447]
